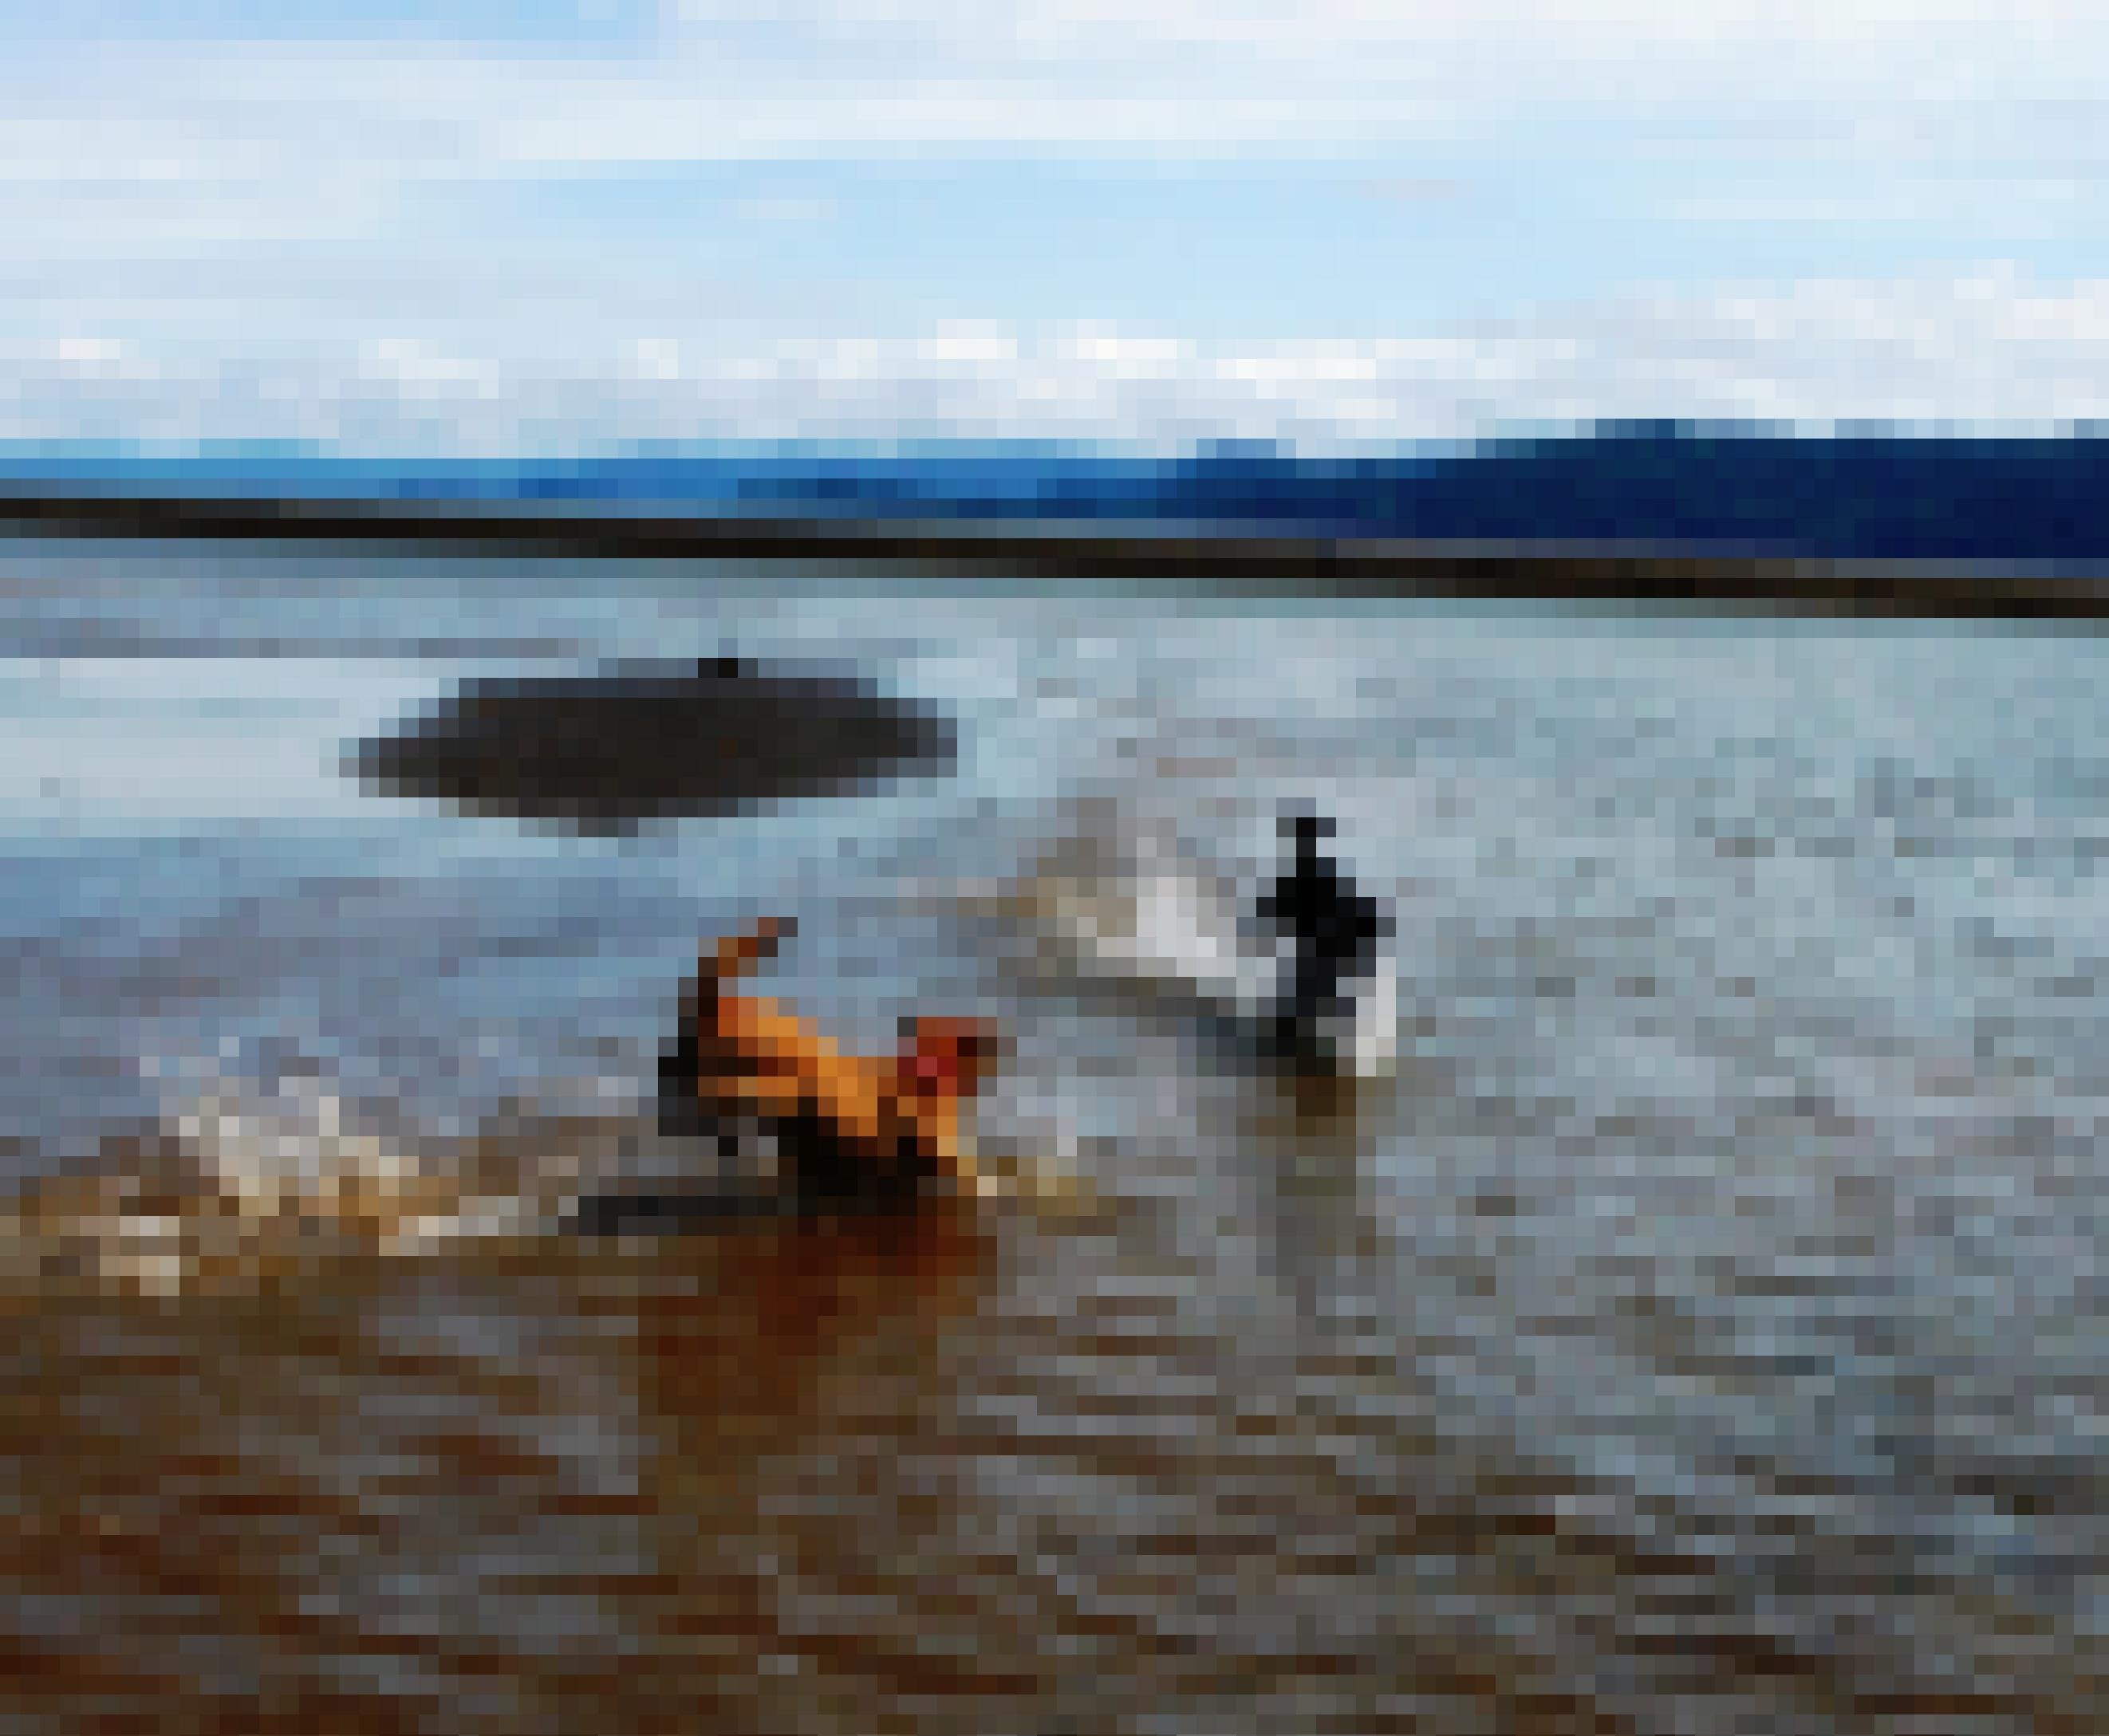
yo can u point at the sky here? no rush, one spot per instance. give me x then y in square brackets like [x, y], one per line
[558, 225]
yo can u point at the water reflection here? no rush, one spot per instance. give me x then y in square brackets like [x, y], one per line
[556, 1485]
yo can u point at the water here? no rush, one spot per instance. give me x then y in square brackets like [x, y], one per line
[1699, 1333]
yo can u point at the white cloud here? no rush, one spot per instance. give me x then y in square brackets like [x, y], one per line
[246, 213]
[1992, 350]
[86, 354]
[264, 164]
[733, 81]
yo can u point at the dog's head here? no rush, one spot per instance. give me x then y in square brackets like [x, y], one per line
[948, 1058]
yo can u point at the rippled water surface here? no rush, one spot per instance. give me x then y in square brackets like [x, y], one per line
[1700, 1332]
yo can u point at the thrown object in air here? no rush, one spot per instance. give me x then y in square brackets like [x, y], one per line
[630, 744]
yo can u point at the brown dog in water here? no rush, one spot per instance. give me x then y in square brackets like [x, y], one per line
[856, 1128]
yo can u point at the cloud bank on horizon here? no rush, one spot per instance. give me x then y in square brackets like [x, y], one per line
[542, 226]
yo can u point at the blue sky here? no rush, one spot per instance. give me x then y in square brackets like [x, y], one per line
[390, 225]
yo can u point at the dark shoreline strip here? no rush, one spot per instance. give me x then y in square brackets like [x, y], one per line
[1210, 560]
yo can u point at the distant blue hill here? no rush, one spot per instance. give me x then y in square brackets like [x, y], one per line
[1993, 499]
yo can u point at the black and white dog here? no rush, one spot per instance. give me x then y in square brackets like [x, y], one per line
[1333, 932]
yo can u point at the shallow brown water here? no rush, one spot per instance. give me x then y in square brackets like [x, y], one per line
[983, 1466]
[990, 1465]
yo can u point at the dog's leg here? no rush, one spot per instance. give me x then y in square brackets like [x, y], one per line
[680, 1075]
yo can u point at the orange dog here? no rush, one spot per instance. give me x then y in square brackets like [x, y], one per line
[856, 1128]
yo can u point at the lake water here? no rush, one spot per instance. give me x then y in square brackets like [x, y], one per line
[1701, 1333]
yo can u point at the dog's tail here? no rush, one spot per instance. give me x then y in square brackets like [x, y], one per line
[736, 954]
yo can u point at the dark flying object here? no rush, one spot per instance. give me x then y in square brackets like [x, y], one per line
[610, 752]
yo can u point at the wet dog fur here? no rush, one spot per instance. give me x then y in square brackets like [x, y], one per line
[853, 1131]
